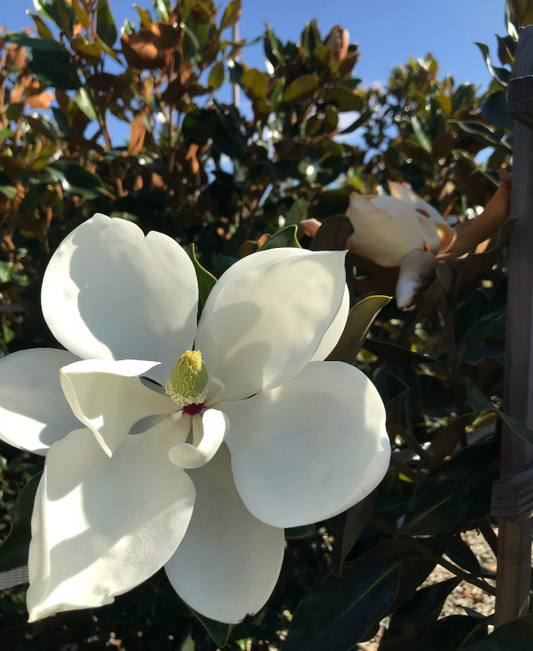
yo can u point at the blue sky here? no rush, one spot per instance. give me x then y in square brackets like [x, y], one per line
[388, 31]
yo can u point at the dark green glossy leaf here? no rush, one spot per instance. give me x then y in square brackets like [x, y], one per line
[286, 237]
[456, 492]
[206, 281]
[358, 324]
[361, 120]
[105, 24]
[502, 75]
[476, 399]
[295, 533]
[461, 554]
[494, 108]
[398, 354]
[14, 550]
[310, 38]
[357, 518]
[36, 44]
[84, 103]
[337, 611]
[218, 631]
[420, 134]
[199, 126]
[418, 613]
[514, 636]
[59, 11]
[453, 633]
[55, 68]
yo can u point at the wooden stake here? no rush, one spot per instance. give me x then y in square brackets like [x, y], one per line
[514, 540]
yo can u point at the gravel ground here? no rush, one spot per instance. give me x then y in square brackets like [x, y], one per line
[465, 595]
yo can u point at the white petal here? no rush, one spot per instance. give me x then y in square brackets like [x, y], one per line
[33, 410]
[108, 397]
[263, 326]
[409, 196]
[261, 259]
[309, 449]
[103, 525]
[228, 563]
[209, 431]
[111, 293]
[335, 330]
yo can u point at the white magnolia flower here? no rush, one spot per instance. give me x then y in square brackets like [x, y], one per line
[254, 432]
[387, 228]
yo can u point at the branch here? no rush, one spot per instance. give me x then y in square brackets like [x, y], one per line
[415, 544]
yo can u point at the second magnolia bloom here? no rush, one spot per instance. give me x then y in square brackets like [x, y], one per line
[387, 228]
[257, 433]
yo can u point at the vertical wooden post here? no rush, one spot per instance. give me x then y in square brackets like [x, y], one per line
[514, 540]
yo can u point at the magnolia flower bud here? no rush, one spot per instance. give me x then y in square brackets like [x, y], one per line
[416, 273]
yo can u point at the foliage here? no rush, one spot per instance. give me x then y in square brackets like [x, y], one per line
[225, 182]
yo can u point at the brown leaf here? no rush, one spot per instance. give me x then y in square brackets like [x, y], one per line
[40, 101]
[16, 56]
[137, 133]
[485, 225]
[333, 234]
[140, 51]
[165, 36]
[193, 160]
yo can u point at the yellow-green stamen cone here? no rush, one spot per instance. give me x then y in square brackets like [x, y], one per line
[189, 380]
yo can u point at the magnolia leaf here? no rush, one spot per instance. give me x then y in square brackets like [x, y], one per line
[295, 533]
[300, 88]
[84, 103]
[42, 28]
[218, 631]
[446, 439]
[337, 611]
[255, 82]
[423, 609]
[9, 191]
[105, 25]
[361, 121]
[137, 133]
[144, 16]
[357, 518]
[206, 280]
[515, 635]
[36, 44]
[357, 326]
[231, 14]
[420, 134]
[216, 75]
[286, 237]
[456, 492]
[481, 403]
[81, 14]
[14, 550]
[344, 99]
[501, 75]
